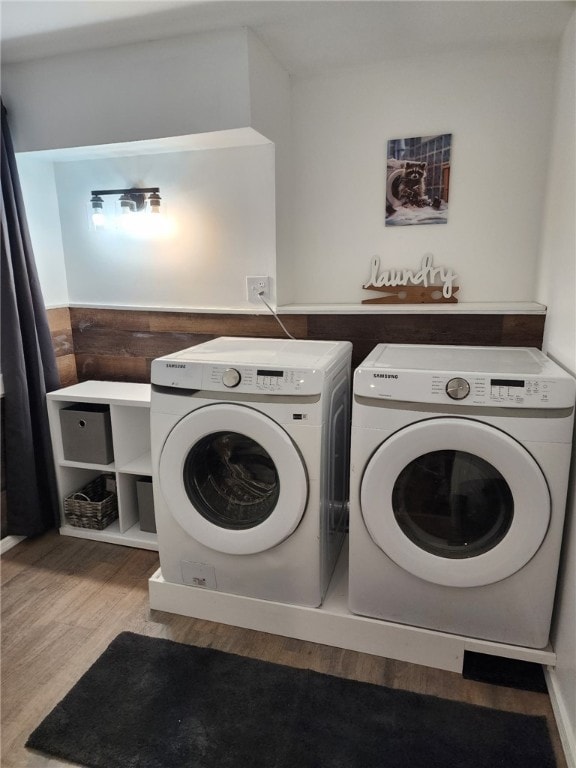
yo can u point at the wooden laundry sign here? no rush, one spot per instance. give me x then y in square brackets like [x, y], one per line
[427, 285]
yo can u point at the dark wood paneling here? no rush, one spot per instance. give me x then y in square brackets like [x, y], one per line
[408, 329]
[114, 342]
[60, 330]
[99, 368]
[522, 330]
[67, 370]
[63, 343]
[228, 325]
[58, 318]
[211, 324]
[120, 344]
[82, 318]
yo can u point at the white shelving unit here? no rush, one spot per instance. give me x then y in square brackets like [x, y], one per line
[130, 420]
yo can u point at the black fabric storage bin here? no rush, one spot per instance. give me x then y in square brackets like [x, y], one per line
[146, 505]
[87, 433]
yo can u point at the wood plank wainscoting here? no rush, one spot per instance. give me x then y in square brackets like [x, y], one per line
[61, 332]
[119, 345]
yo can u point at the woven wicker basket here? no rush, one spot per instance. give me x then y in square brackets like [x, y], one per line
[93, 506]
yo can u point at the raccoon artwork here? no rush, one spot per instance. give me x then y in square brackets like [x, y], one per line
[417, 180]
[407, 184]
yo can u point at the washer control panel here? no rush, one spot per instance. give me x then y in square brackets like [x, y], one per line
[236, 377]
[270, 381]
[468, 389]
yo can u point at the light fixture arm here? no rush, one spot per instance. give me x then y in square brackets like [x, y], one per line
[130, 190]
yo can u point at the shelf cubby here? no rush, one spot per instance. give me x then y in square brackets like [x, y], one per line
[130, 425]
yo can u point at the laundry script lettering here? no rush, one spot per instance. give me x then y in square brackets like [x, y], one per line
[427, 275]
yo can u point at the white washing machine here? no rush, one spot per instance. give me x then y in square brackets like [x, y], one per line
[459, 471]
[250, 453]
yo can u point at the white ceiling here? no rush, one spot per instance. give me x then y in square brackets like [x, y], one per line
[306, 36]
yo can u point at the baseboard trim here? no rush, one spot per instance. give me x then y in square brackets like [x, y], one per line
[565, 727]
[8, 542]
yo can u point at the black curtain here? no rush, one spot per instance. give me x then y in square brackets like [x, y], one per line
[28, 366]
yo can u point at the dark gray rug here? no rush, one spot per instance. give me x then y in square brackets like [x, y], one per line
[153, 703]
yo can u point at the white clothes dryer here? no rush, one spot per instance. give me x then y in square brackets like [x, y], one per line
[250, 453]
[459, 471]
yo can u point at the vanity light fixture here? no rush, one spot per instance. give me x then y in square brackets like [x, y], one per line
[131, 200]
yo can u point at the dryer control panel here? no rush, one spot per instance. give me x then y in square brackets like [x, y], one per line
[466, 388]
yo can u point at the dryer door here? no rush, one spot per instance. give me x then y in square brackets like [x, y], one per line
[455, 502]
[233, 479]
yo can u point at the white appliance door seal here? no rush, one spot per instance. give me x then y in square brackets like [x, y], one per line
[206, 424]
[526, 482]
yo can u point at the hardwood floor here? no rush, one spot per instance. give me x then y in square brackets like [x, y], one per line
[65, 599]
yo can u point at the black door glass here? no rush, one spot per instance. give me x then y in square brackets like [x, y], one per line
[231, 480]
[452, 504]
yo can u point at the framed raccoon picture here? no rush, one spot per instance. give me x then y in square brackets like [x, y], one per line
[418, 180]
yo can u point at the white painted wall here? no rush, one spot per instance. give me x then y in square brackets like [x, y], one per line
[557, 289]
[270, 115]
[43, 216]
[221, 202]
[220, 205]
[497, 104]
[146, 90]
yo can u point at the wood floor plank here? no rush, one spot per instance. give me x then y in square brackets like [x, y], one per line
[65, 599]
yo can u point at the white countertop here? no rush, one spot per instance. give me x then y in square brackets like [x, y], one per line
[462, 308]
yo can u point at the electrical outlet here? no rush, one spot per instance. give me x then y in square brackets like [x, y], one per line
[256, 286]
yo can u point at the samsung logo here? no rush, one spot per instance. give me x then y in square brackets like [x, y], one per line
[175, 365]
[385, 375]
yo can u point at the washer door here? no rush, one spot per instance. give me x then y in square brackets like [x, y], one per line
[233, 479]
[455, 502]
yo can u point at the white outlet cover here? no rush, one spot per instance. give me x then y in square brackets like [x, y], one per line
[255, 285]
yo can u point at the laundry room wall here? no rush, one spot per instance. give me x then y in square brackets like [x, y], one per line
[193, 88]
[43, 214]
[219, 207]
[557, 288]
[496, 103]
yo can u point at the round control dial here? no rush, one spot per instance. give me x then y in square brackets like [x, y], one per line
[457, 389]
[231, 378]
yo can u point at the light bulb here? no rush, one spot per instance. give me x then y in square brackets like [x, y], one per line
[98, 220]
[97, 205]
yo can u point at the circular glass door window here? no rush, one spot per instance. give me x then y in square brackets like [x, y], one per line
[231, 480]
[452, 504]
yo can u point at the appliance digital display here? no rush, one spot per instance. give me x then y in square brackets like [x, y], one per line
[278, 374]
[506, 383]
